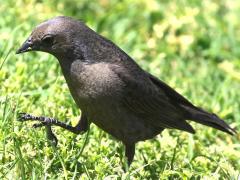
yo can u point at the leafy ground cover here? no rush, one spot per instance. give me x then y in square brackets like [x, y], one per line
[194, 46]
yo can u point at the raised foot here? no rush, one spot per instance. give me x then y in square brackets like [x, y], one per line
[24, 116]
[44, 122]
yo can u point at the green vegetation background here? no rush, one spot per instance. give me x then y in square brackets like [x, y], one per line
[192, 45]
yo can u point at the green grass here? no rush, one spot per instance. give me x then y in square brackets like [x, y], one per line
[192, 45]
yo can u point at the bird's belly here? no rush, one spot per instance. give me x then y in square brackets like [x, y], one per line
[124, 126]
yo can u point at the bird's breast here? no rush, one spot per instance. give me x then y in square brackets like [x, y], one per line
[92, 83]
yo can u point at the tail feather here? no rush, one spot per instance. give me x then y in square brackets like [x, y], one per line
[208, 119]
[192, 112]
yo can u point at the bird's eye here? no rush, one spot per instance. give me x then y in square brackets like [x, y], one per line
[48, 40]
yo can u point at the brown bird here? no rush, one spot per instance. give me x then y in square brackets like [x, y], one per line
[111, 90]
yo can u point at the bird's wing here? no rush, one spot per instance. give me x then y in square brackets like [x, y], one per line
[173, 95]
[147, 101]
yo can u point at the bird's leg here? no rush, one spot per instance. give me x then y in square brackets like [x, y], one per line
[51, 136]
[81, 127]
[129, 152]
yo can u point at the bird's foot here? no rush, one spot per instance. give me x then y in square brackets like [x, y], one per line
[45, 122]
[28, 117]
[25, 117]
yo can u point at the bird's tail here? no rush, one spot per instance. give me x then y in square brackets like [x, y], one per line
[200, 116]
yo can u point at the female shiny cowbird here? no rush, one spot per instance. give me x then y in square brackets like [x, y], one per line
[111, 90]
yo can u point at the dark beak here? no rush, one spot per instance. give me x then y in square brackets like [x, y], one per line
[27, 46]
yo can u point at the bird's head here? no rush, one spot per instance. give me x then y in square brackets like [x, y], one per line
[55, 36]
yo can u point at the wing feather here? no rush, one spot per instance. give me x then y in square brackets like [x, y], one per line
[146, 101]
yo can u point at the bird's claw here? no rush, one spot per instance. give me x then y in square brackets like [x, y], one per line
[38, 125]
[23, 116]
[53, 140]
[51, 136]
